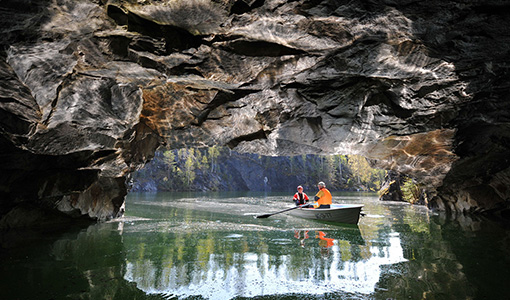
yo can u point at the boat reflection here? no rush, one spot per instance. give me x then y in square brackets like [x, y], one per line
[249, 264]
[348, 237]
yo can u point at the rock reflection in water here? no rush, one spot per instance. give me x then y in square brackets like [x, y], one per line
[259, 263]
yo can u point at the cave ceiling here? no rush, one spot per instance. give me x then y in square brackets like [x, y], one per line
[91, 88]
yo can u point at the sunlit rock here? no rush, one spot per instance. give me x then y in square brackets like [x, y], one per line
[91, 88]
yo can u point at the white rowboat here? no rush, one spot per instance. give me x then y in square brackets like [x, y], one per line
[338, 213]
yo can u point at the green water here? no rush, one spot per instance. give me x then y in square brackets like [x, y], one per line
[210, 246]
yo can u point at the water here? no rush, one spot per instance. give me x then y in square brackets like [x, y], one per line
[210, 246]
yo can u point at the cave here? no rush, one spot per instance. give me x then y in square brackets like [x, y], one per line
[90, 90]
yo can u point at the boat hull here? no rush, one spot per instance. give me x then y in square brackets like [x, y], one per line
[338, 213]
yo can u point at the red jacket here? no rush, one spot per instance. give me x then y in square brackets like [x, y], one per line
[301, 199]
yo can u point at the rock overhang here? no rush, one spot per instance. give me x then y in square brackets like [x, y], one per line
[412, 88]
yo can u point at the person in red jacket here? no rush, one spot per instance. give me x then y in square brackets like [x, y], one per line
[300, 197]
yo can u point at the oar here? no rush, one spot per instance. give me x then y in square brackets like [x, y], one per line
[278, 212]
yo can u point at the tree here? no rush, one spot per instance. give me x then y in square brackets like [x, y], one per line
[178, 169]
[364, 173]
[189, 168]
[330, 168]
[360, 168]
[204, 165]
[169, 160]
[189, 171]
[410, 190]
[214, 153]
[342, 161]
[182, 154]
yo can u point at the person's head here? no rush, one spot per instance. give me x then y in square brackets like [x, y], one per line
[321, 185]
[300, 189]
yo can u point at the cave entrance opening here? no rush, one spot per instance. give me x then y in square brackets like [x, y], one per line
[222, 169]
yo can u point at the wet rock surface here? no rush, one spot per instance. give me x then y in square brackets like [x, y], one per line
[91, 88]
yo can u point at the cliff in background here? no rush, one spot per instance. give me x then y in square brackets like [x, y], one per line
[198, 170]
[90, 89]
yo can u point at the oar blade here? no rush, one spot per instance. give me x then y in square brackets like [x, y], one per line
[263, 216]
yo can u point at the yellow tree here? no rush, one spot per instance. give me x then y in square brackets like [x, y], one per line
[213, 152]
[189, 168]
[204, 163]
[169, 159]
[359, 168]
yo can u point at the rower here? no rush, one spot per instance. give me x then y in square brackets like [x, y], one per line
[323, 198]
[300, 198]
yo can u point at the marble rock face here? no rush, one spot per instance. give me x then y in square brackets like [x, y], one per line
[89, 90]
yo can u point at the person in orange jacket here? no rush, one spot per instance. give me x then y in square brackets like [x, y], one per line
[323, 197]
[324, 241]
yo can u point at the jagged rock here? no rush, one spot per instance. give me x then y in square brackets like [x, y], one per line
[400, 187]
[390, 189]
[91, 88]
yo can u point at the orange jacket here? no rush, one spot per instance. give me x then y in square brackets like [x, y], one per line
[324, 197]
[329, 241]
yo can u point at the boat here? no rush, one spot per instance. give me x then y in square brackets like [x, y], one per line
[338, 213]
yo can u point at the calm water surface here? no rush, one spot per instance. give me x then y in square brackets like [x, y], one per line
[210, 246]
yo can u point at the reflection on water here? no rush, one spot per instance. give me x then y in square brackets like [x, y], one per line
[259, 263]
[211, 247]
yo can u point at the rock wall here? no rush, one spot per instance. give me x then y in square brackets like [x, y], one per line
[227, 170]
[89, 90]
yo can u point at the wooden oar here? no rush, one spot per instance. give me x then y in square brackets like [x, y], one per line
[278, 212]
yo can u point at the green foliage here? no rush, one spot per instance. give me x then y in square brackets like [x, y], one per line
[169, 159]
[365, 175]
[179, 176]
[410, 190]
[180, 169]
[189, 170]
[204, 163]
[213, 153]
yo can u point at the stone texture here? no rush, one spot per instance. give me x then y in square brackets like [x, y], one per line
[91, 88]
[391, 187]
